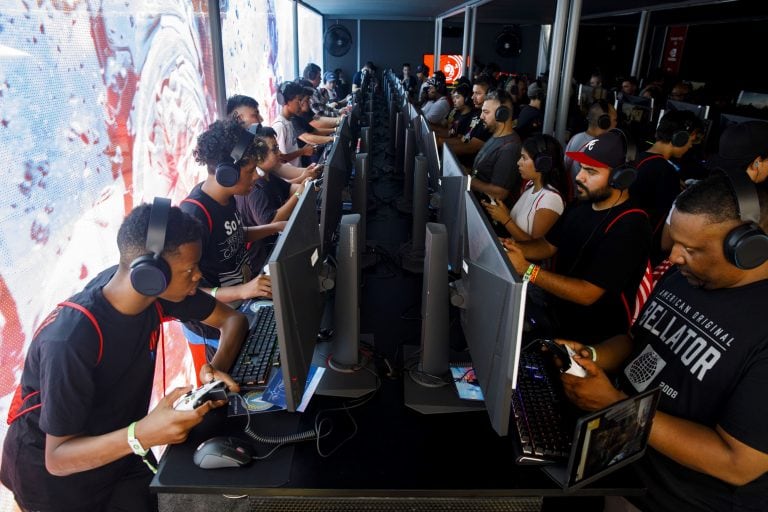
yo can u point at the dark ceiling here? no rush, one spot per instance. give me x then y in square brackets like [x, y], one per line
[543, 11]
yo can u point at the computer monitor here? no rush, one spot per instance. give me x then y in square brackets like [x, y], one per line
[453, 186]
[294, 268]
[635, 110]
[428, 147]
[701, 111]
[335, 178]
[588, 94]
[492, 315]
[755, 99]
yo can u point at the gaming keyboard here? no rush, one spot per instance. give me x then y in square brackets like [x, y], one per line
[540, 409]
[260, 351]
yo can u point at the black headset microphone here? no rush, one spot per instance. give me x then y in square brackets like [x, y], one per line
[228, 170]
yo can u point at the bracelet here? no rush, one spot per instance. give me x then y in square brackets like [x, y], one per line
[137, 448]
[213, 291]
[594, 352]
[529, 272]
[507, 221]
[297, 194]
[535, 273]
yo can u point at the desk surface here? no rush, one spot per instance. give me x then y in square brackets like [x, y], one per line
[396, 451]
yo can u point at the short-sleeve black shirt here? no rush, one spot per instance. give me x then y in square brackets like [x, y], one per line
[81, 397]
[609, 249]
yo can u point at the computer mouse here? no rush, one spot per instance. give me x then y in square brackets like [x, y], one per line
[223, 452]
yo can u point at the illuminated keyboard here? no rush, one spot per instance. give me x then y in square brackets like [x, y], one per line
[541, 413]
[260, 352]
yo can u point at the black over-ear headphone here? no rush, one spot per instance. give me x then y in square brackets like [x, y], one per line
[680, 138]
[746, 246]
[280, 94]
[228, 171]
[150, 273]
[542, 162]
[502, 114]
[603, 121]
[623, 176]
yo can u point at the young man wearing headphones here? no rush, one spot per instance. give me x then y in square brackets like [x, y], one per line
[230, 153]
[289, 97]
[602, 244]
[702, 338]
[494, 171]
[437, 107]
[80, 413]
[658, 175]
[601, 117]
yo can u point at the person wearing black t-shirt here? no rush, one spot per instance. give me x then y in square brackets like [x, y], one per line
[702, 338]
[227, 274]
[658, 175]
[271, 200]
[81, 408]
[602, 245]
[467, 144]
[494, 170]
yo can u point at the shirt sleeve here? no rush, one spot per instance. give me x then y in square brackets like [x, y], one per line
[282, 135]
[195, 307]
[551, 201]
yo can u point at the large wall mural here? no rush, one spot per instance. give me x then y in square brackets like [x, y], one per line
[101, 103]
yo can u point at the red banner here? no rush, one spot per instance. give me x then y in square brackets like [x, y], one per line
[673, 49]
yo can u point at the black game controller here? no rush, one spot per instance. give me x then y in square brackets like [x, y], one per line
[565, 354]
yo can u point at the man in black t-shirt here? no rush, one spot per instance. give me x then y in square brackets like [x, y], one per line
[494, 171]
[80, 411]
[602, 245]
[658, 175]
[271, 200]
[227, 274]
[466, 145]
[702, 338]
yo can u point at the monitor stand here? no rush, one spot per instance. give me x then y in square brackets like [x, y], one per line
[429, 386]
[342, 379]
[348, 373]
[433, 400]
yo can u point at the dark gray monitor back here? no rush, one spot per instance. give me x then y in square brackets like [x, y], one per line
[294, 267]
[335, 179]
[453, 186]
[493, 316]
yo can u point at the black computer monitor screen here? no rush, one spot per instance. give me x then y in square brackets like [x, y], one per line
[588, 94]
[492, 319]
[453, 186]
[701, 111]
[755, 99]
[335, 177]
[294, 268]
[345, 130]
[635, 110]
[429, 149]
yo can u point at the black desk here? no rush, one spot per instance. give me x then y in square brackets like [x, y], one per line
[397, 455]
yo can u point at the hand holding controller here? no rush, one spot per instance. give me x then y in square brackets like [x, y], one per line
[574, 368]
[214, 390]
[565, 354]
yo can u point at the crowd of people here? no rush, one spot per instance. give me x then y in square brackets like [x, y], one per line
[585, 225]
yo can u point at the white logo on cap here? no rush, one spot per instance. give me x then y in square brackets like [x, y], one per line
[591, 144]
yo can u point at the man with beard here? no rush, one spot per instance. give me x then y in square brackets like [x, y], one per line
[602, 244]
[702, 338]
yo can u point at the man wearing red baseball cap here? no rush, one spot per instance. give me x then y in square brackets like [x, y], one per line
[602, 243]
